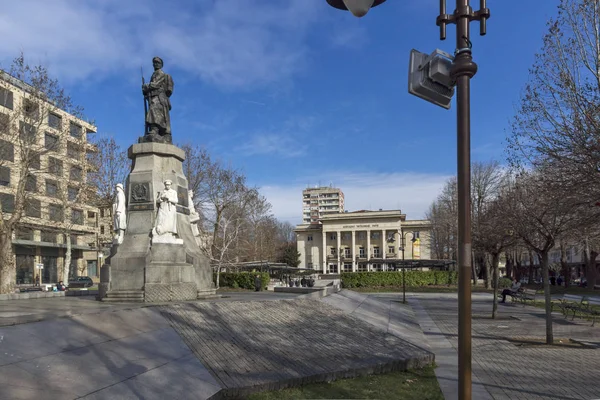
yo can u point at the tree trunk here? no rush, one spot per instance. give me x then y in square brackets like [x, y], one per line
[485, 266]
[590, 269]
[67, 267]
[495, 263]
[531, 269]
[474, 269]
[509, 266]
[218, 275]
[564, 270]
[547, 297]
[8, 272]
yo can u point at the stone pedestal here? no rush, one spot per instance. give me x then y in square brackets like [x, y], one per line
[161, 271]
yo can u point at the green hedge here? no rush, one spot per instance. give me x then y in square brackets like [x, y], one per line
[243, 280]
[388, 278]
[504, 283]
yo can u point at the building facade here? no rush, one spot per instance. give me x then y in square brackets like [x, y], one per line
[361, 241]
[52, 145]
[319, 202]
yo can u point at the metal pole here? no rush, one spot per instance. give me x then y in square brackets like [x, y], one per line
[403, 273]
[463, 69]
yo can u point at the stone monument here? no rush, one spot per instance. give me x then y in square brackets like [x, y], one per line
[155, 257]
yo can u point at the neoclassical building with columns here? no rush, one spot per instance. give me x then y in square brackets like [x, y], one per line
[362, 241]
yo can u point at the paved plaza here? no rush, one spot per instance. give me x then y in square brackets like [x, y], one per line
[511, 370]
[67, 348]
[201, 349]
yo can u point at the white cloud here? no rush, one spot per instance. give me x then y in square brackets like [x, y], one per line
[412, 193]
[230, 43]
[275, 144]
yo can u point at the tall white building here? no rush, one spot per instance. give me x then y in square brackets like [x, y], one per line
[319, 202]
[362, 241]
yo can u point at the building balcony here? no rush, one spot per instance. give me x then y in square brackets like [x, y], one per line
[391, 255]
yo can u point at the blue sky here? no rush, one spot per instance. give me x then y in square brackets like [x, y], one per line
[292, 92]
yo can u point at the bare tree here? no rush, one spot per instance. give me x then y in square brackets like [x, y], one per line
[20, 128]
[486, 179]
[108, 166]
[539, 214]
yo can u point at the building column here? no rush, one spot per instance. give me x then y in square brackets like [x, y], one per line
[353, 253]
[368, 249]
[324, 255]
[338, 235]
[383, 244]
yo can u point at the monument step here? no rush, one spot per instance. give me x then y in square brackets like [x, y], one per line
[123, 299]
[127, 293]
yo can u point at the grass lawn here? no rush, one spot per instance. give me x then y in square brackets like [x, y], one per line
[419, 384]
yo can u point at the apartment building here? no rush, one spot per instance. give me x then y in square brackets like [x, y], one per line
[321, 201]
[362, 241]
[39, 137]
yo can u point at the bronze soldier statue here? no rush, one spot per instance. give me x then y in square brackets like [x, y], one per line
[157, 93]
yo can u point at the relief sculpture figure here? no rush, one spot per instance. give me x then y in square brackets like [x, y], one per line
[166, 218]
[119, 215]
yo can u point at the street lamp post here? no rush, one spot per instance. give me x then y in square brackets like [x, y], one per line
[462, 70]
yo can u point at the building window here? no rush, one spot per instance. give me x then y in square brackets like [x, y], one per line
[347, 267]
[376, 252]
[91, 214]
[51, 142]
[75, 130]
[332, 236]
[26, 132]
[7, 202]
[56, 213]
[390, 249]
[76, 174]
[77, 217]
[4, 123]
[33, 208]
[31, 183]
[362, 267]
[55, 166]
[347, 252]
[4, 176]
[378, 267]
[51, 188]
[332, 251]
[361, 252]
[375, 235]
[7, 151]
[309, 238]
[362, 235]
[6, 98]
[23, 233]
[33, 160]
[72, 193]
[49, 237]
[332, 269]
[54, 121]
[31, 109]
[92, 269]
[102, 229]
[73, 151]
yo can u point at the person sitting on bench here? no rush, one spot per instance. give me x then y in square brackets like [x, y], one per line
[514, 288]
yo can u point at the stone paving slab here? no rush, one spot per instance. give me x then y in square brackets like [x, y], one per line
[509, 371]
[253, 346]
[125, 352]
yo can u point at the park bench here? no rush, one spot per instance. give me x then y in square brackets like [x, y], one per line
[596, 287]
[591, 308]
[524, 295]
[569, 303]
